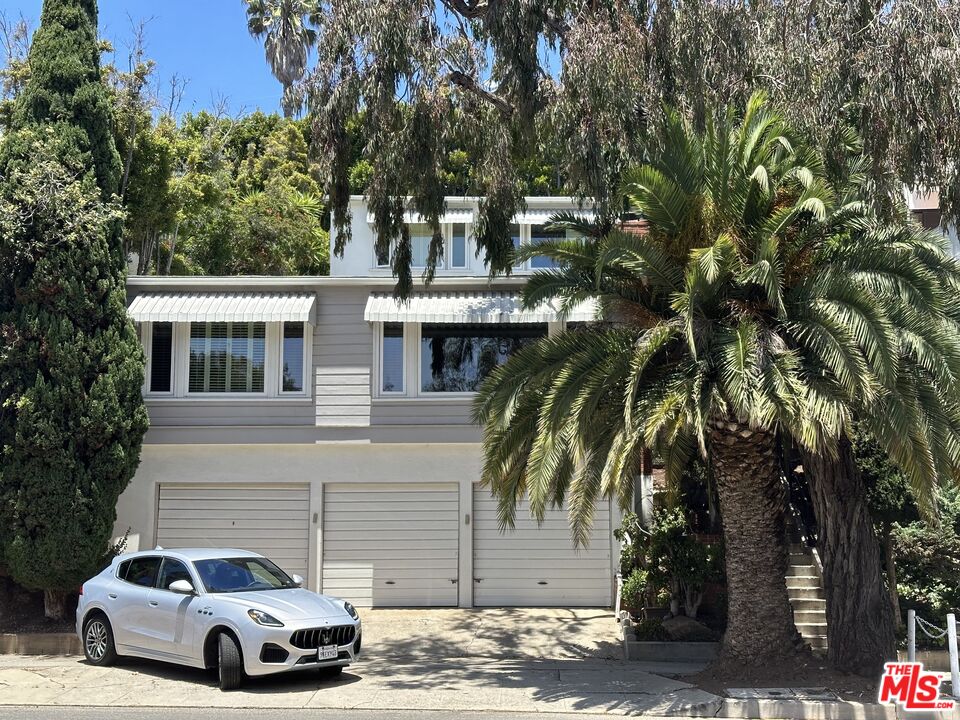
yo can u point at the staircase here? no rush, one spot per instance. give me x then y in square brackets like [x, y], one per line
[805, 590]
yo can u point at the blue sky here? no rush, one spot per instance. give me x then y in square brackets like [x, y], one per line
[204, 41]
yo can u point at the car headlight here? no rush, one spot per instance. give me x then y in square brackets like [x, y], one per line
[351, 610]
[262, 618]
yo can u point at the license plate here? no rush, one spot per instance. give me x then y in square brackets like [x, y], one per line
[327, 652]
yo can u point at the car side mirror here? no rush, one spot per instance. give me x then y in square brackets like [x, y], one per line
[183, 587]
[298, 580]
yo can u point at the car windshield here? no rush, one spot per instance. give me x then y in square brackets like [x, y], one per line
[248, 574]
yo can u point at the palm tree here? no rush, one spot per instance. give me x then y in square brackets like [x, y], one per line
[285, 26]
[757, 307]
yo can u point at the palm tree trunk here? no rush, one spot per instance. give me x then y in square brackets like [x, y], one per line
[752, 499]
[860, 628]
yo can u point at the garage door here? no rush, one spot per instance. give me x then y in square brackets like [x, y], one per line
[273, 520]
[391, 545]
[538, 565]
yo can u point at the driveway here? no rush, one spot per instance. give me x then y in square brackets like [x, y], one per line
[496, 633]
[518, 660]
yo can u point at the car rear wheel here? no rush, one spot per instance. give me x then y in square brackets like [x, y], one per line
[230, 663]
[98, 644]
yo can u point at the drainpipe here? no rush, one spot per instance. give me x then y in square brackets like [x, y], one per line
[644, 495]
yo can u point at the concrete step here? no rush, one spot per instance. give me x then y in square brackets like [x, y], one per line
[801, 558]
[817, 643]
[809, 629]
[801, 604]
[804, 590]
[794, 570]
[802, 581]
[818, 617]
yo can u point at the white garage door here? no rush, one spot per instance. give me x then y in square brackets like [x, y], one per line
[273, 520]
[538, 565]
[391, 544]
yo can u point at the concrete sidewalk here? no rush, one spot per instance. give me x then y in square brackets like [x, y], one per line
[531, 685]
[516, 661]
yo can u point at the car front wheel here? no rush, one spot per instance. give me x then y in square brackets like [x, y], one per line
[98, 644]
[230, 663]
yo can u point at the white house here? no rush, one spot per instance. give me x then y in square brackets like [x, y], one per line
[316, 420]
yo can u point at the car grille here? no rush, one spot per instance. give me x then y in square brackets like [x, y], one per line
[316, 637]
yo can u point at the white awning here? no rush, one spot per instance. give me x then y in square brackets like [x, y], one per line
[450, 216]
[461, 307]
[224, 307]
[542, 217]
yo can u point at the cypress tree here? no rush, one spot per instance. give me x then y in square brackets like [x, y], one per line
[72, 417]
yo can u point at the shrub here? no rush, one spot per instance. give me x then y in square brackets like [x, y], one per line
[651, 631]
[633, 593]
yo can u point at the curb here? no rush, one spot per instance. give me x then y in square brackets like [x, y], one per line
[806, 710]
[783, 710]
[40, 644]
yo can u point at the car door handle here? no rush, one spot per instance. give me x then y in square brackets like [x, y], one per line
[112, 596]
[153, 603]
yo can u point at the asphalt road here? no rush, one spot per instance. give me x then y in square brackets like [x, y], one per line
[16, 712]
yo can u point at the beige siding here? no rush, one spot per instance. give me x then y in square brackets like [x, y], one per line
[232, 412]
[342, 354]
[421, 411]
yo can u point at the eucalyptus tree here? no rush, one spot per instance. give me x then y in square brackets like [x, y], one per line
[759, 305]
[286, 28]
[585, 78]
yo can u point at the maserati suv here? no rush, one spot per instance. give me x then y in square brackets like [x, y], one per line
[229, 610]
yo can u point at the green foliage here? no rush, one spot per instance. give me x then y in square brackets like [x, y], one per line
[928, 568]
[277, 232]
[218, 196]
[634, 591]
[888, 490]
[651, 630]
[65, 90]
[288, 33]
[584, 85]
[679, 561]
[71, 369]
[666, 561]
[759, 291]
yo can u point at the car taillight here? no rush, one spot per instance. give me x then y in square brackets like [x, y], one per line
[81, 590]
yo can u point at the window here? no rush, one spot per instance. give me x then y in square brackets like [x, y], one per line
[247, 574]
[161, 357]
[458, 246]
[540, 234]
[420, 238]
[929, 219]
[383, 256]
[515, 233]
[457, 358]
[227, 357]
[391, 362]
[292, 378]
[171, 571]
[142, 571]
